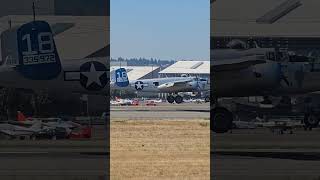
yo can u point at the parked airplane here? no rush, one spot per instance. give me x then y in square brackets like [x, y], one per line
[121, 102]
[30, 60]
[172, 85]
[18, 131]
[258, 72]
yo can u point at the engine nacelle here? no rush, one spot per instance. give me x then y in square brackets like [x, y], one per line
[255, 80]
[193, 84]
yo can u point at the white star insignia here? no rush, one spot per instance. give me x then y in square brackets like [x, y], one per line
[93, 75]
[139, 85]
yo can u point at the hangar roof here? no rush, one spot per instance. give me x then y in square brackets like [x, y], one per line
[136, 72]
[285, 18]
[188, 67]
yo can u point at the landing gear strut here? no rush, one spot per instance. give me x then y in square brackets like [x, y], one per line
[310, 121]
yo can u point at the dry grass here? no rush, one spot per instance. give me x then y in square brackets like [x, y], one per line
[160, 149]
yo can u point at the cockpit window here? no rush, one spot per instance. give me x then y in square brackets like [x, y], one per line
[156, 84]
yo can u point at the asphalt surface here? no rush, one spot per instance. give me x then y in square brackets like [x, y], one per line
[37, 165]
[56, 159]
[260, 154]
[162, 111]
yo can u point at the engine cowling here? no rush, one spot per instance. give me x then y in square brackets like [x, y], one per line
[255, 80]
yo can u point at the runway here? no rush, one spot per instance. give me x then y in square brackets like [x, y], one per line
[31, 166]
[162, 111]
[259, 154]
[56, 159]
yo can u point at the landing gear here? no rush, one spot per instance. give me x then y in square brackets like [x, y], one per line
[310, 121]
[170, 99]
[221, 120]
[178, 99]
[266, 100]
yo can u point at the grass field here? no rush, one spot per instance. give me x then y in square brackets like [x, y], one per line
[149, 149]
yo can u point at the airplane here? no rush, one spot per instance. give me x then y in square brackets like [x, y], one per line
[19, 131]
[42, 127]
[258, 72]
[171, 85]
[30, 60]
[121, 102]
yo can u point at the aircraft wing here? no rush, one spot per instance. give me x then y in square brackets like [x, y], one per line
[235, 64]
[15, 133]
[175, 83]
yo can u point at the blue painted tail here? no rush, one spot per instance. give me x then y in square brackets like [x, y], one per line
[121, 77]
[37, 52]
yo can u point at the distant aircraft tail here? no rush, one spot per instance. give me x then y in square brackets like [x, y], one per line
[21, 117]
[121, 77]
[31, 48]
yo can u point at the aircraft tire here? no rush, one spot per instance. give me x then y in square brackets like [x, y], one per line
[33, 137]
[178, 99]
[170, 99]
[311, 120]
[221, 121]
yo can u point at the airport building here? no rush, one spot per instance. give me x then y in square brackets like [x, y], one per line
[192, 68]
[139, 72]
[286, 25]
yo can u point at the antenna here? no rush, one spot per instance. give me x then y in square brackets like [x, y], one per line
[34, 11]
[10, 23]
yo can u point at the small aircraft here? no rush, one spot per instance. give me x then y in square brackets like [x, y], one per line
[121, 102]
[20, 131]
[172, 85]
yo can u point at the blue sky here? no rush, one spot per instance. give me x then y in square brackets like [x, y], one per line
[162, 29]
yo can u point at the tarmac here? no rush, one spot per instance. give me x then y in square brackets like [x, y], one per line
[163, 111]
[260, 154]
[44, 165]
[56, 159]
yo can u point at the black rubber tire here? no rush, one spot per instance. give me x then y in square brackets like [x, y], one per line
[311, 120]
[178, 99]
[221, 120]
[170, 99]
